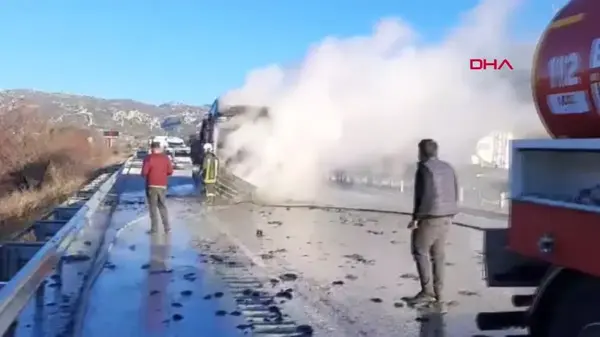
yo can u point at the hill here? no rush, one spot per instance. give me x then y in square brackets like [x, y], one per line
[128, 116]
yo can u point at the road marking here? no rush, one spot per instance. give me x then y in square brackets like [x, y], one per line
[314, 316]
[118, 231]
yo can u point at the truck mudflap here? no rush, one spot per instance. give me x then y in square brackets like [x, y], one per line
[505, 268]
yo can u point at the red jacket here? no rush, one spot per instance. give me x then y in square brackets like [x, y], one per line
[156, 169]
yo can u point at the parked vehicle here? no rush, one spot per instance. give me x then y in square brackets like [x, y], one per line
[551, 243]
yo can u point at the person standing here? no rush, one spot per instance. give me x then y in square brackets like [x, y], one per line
[210, 169]
[435, 205]
[197, 156]
[156, 169]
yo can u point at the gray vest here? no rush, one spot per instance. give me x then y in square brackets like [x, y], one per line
[445, 194]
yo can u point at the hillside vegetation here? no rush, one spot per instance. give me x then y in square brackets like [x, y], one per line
[42, 163]
[128, 116]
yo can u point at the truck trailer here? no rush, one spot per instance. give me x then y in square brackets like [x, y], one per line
[551, 243]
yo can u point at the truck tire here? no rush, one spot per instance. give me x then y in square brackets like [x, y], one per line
[575, 311]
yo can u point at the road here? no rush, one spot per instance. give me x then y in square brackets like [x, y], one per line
[354, 268]
[155, 285]
[336, 273]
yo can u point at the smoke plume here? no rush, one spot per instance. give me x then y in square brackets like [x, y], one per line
[364, 102]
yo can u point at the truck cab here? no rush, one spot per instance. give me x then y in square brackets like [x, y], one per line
[222, 120]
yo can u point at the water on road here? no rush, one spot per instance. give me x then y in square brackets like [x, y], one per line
[329, 272]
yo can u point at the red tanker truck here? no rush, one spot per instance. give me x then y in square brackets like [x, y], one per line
[553, 239]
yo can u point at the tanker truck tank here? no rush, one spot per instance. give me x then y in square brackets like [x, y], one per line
[551, 242]
[566, 72]
[493, 150]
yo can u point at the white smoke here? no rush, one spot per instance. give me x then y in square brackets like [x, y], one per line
[352, 102]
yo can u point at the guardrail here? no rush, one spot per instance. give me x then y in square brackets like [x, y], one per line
[470, 197]
[472, 202]
[231, 187]
[30, 257]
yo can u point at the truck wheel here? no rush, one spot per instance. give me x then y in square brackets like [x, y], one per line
[575, 311]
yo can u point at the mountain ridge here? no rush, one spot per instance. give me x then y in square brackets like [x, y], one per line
[128, 116]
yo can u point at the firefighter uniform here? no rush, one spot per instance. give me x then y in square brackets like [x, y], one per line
[210, 169]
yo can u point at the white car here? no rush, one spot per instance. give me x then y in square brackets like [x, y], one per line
[180, 157]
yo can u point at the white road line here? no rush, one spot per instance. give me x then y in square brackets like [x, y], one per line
[120, 230]
[311, 313]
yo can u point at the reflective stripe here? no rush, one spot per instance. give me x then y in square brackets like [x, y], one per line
[210, 169]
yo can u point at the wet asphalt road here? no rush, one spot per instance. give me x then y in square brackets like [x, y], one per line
[355, 267]
[156, 285]
[342, 273]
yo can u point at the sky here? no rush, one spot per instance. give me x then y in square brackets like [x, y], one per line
[192, 51]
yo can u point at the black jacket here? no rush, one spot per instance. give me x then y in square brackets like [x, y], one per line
[196, 152]
[436, 190]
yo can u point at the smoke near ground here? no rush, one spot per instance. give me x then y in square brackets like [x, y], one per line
[354, 101]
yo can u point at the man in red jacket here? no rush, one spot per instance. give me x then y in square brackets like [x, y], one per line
[156, 169]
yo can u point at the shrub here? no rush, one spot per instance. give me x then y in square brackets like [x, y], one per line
[41, 163]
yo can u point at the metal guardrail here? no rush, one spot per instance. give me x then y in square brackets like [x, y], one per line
[233, 188]
[475, 198]
[472, 202]
[54, 238]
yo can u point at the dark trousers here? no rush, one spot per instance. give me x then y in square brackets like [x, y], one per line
[157, 205]
[428, 248]
[198, 182]
[197, 175]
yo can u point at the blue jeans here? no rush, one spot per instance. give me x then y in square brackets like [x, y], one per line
[197, 176]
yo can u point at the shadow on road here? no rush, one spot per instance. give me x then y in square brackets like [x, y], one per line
[132, 188]
[431, 323]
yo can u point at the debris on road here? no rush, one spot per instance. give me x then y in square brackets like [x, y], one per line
[360, 259]
[288, 277]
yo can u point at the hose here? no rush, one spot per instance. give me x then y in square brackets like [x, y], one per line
[324, 207]
[358, 209]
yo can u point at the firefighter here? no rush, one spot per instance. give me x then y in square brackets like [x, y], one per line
[210, 168]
